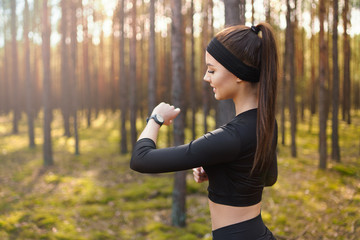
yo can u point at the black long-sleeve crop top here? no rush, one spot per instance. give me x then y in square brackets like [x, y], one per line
[226, 154]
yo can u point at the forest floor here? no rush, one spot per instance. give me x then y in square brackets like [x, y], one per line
[96, 196]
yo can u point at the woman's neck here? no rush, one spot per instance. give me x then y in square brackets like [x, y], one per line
[245, 101]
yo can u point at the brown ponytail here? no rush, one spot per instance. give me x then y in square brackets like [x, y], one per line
[267, 92]
[258, 49]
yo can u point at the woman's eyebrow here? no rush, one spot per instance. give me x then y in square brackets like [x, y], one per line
[209, 64]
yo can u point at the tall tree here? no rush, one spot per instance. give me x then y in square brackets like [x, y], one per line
[268, 11]
[299, 36]
[192, 73]
[356, 58]
[327, 64]
[73, 67]
[346, 50]
[234, 11]
[292, 93]
[46, 32]
[122, 81]
[101, 68]
[133, 107]
[242, 11]
[167, 74]
[252, 12]
[113, 86]
[87, 79]
[178, 68]
[335, 149]
[152, 60]
[301, 74]
[14, 68]
[37, 81]
[322, 90]
[142, 71]
[284, 80]
[211, 101]
[205, 85]
[313, 84]
[65, 86]
[28, 80]
[5, 87]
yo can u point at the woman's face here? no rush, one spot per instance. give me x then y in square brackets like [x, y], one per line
[223, 82]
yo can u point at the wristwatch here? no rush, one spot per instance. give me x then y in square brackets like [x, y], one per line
[157, 118]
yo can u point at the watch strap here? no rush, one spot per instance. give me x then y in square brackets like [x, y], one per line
[155, 119]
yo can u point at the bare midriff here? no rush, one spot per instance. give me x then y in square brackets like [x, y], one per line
[224, 215]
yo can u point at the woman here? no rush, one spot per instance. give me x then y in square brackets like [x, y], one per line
[239, 158]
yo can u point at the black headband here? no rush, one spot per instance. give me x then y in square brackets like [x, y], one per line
[231, 62]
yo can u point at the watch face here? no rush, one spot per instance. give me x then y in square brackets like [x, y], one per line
[159, 118]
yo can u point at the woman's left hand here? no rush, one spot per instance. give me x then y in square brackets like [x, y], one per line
[167, 111]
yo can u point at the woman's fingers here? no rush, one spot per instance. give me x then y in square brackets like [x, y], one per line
[196, 174]
[172, 114]
[199, 175]
[167, 111]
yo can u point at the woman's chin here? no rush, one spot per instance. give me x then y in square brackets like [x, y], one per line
[217, 97]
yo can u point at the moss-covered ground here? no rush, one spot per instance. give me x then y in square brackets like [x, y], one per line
[96, 196]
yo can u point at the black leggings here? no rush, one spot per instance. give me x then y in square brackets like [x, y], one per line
[252, 229]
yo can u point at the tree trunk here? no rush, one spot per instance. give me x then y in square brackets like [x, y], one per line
[133, 106]
[101, 99]
[36, 60]
[299, 39]
[327, 66]
[268, 11]
[313, 84]
[122, 83]
[15, 69]
[292, 93]
[141, 100]
[113, 87]
[168, 77]
[73, 67]
[335, 149]
[356, 88]
[65, 87]
[346, 48]
[5, 90]
[178, 68]
[322, 90]
[152, 60]
[252, 12]
[242, 11]
[234, 11]
[28, 80]
[284, 86]
[205, 85]
[192, 74]
[87, 80]
[302, 76]
[47, 148]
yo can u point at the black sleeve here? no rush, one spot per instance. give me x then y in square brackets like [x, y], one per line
[220, 145]
[272, 173]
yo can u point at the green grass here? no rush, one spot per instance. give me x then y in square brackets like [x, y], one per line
[96, 196]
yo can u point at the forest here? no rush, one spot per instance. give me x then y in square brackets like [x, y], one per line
[78, 78]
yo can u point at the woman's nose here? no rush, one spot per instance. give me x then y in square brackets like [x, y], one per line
[206, 78]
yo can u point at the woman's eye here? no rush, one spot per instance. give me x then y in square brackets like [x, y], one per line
[209, 71]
